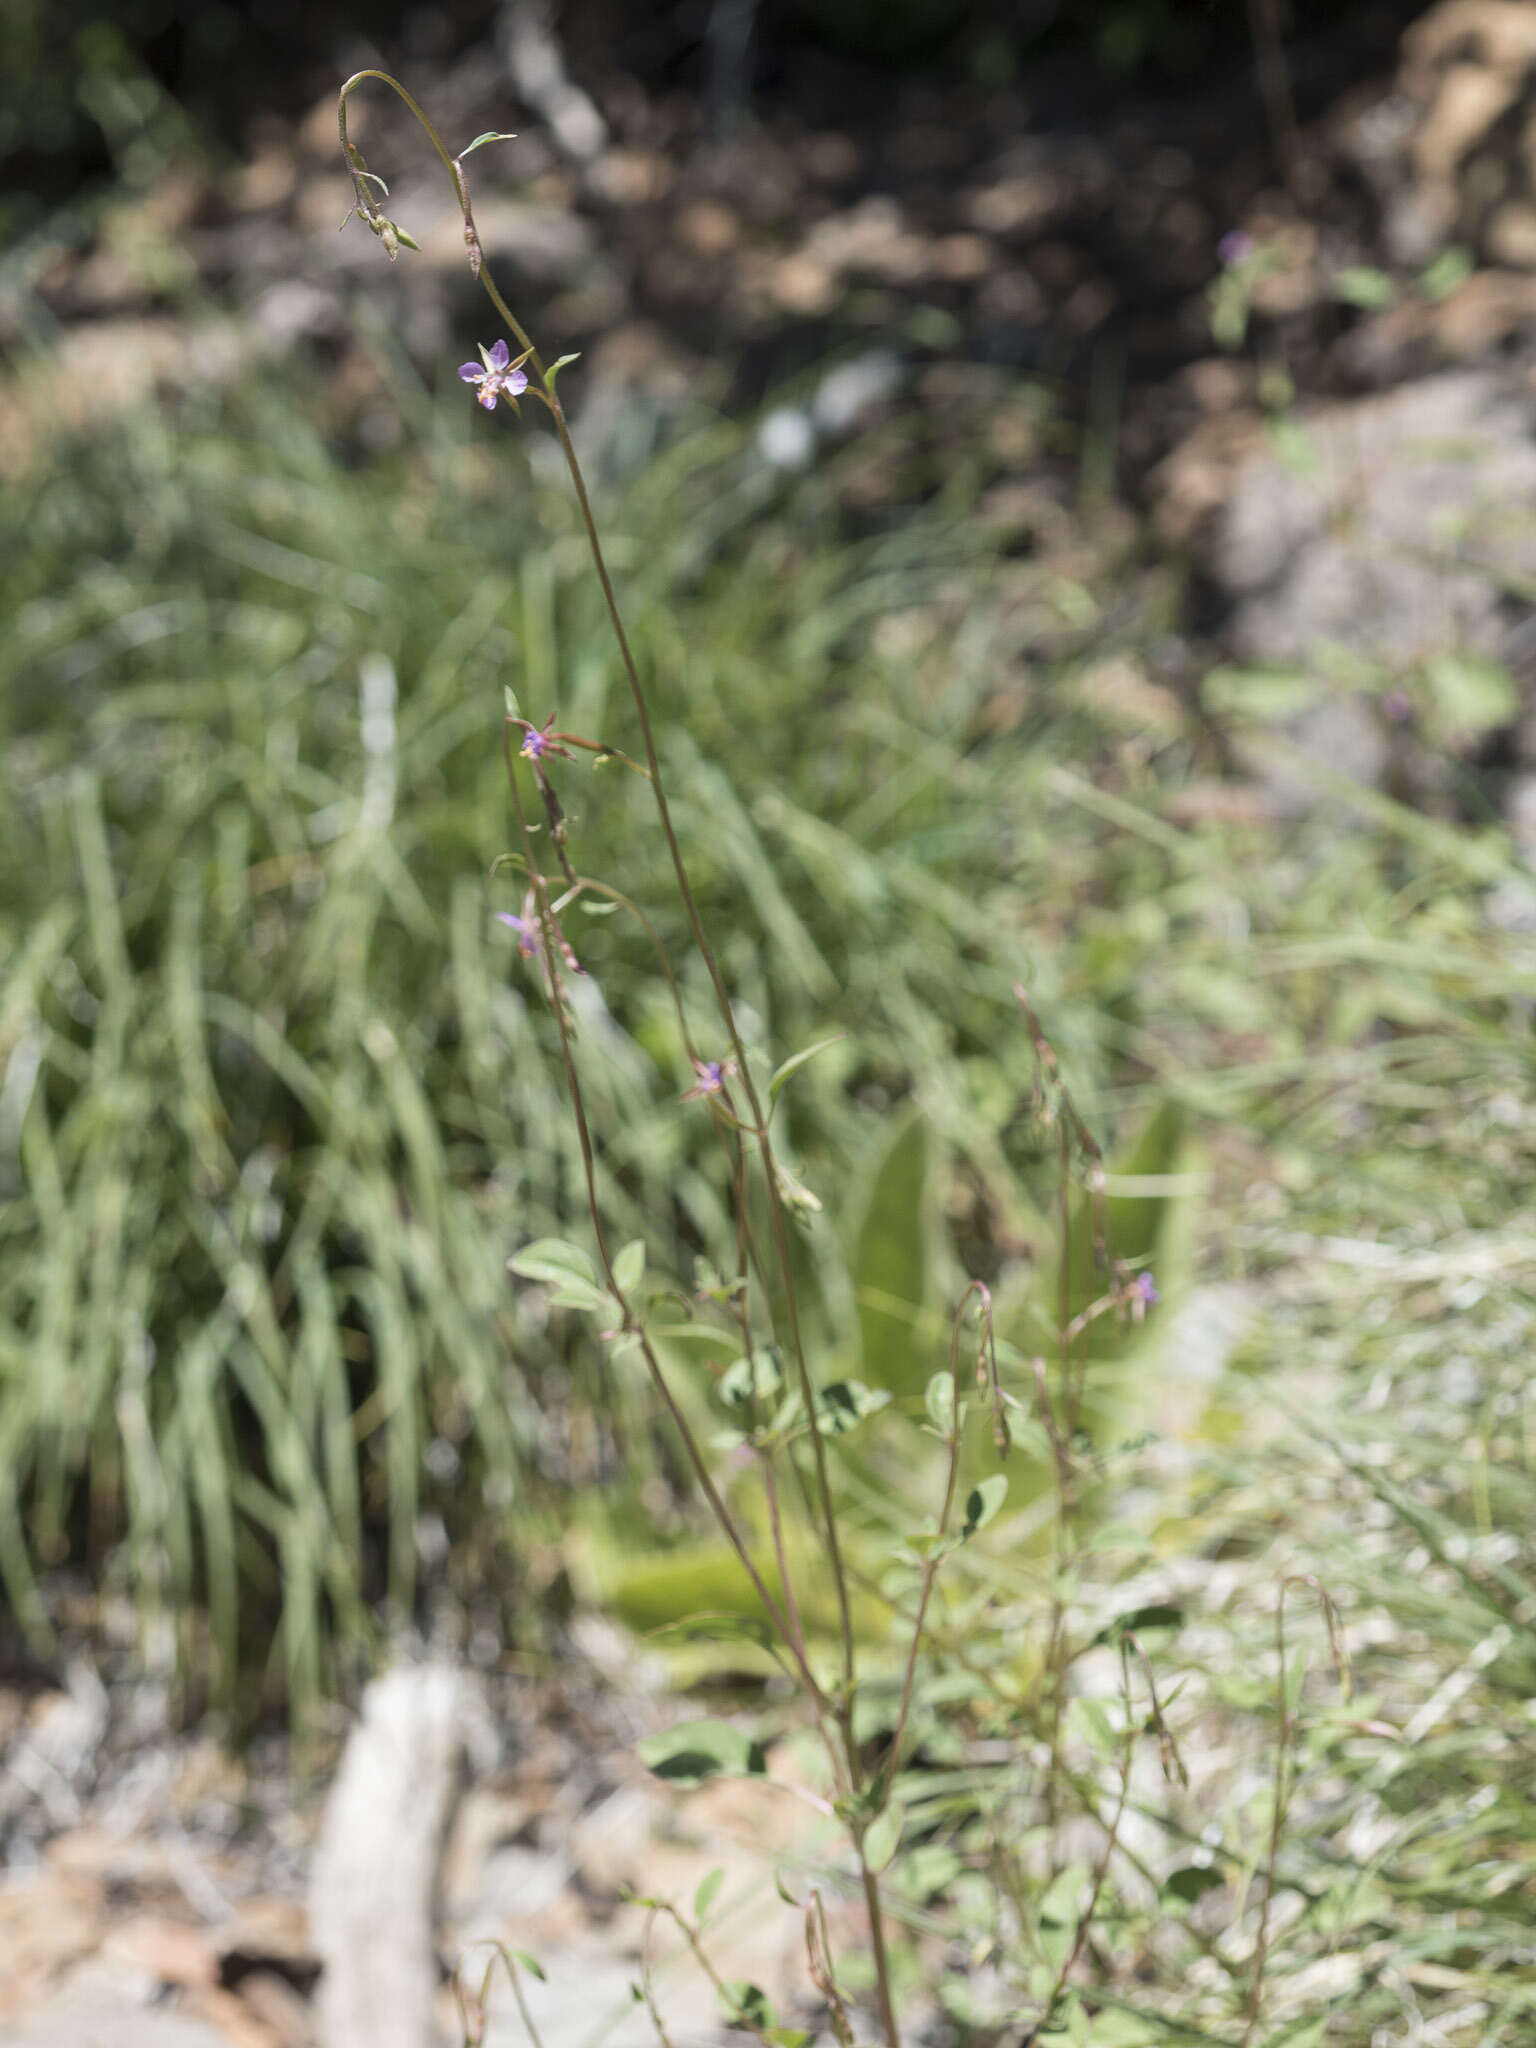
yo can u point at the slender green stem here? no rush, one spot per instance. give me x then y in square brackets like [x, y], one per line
[658, 1377]
[368, 208]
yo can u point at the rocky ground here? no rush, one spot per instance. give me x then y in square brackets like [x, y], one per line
[157, 1892]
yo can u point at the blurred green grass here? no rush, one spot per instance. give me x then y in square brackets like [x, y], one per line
[277, 1100]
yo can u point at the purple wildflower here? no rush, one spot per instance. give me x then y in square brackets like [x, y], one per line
[713, 1075]
[1235, 246]
[539, 740]
[499, 378]
[1146, 1289]
[527, 929]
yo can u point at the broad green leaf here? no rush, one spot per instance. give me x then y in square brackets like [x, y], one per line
[929, 1868]
[1268, 695]
[1363, 286]
[940, 1402]
[1472, 696]
[749, 1381]
[1189, 1884]
[706, 1894]
[700, 1751]
[589, 1299]
[1450, 269]
[554, 1261]
[746, 2005]
[797, 1060]
[983, 1502]
[629, 1266]
[843, 1405]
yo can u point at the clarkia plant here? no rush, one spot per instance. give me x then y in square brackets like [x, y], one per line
[776, 1484]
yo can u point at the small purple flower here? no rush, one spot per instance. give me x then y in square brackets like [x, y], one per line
[539, 740]
[713, 1075]
[1398, 706]
[1146, 1289]
[499, 378]
[1235, 246]
[527, 929]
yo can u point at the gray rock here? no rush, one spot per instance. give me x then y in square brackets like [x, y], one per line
[1395, 528]
[76, 2027]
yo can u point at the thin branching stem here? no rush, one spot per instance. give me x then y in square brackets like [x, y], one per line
[367, 206]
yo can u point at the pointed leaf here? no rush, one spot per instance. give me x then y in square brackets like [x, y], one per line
[747, 2006]
[940, 1402]
[891, 1256]
[706, 1894]
[629, 1266]
[554, 1261]
[702, 1750]
[843, 1405]
[549, 384]
[490, 135]
[529, 1963]
[983, 1502]
[754, 1379]
[797, 1060]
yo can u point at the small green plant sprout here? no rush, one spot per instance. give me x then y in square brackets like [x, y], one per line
[1245, 263]
[473, 2001]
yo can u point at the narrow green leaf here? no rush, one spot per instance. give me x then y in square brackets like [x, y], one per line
[490, 135]
[549, 384]
[706, 1894]
[797, 1060]
[531, 1964]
